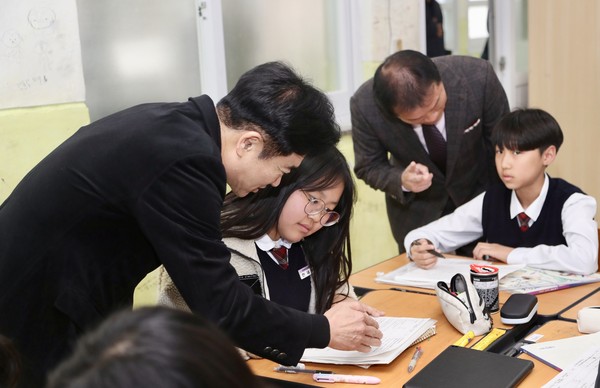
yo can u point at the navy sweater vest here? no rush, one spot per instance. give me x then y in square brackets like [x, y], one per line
[499, 228]
[285, 286]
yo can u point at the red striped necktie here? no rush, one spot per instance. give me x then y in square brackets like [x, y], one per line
[523, 221]
[281, 255]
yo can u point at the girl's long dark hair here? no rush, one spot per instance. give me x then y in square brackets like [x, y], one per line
[10, 363]
[154, 347]
[328, 251]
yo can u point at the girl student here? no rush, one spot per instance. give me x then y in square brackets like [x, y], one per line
[308, 214]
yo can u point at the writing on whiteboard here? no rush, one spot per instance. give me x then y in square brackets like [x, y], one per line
[40, 53]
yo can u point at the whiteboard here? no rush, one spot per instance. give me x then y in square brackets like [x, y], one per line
[40, 53]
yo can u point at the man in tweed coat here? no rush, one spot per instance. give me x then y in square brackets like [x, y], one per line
[462, 97]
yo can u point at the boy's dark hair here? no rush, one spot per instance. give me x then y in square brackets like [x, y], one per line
[294, 116]
[328, 251]
[526, 130]
[403, 81]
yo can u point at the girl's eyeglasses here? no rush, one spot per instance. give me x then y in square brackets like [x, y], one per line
[316, 206]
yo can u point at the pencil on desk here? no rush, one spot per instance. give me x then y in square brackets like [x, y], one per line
[412, 291]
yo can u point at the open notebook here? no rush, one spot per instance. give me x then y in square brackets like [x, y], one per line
[537, 281]
[411, 275]
[398, 335]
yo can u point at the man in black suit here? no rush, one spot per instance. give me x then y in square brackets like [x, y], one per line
[463, 98]
[434, 29]
[144, 187]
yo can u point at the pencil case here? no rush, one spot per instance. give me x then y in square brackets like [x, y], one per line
[588, 319]
[462, 306]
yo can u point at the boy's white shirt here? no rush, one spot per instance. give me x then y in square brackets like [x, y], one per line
[580, 230]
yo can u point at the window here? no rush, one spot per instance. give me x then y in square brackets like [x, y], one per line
[313, 36]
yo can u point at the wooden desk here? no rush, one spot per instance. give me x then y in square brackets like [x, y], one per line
[366, 277]
[550, 303]
[552, 330]
[395, 374]
[591, 299]
[396, 303]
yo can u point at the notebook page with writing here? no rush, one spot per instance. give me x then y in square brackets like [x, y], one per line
[581, 373]
[559, 354]
[398, 335]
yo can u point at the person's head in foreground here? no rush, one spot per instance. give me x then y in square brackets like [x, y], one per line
[10, 363]
[154, 347]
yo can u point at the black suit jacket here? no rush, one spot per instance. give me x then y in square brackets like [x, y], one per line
[384, 146]
[123, 195]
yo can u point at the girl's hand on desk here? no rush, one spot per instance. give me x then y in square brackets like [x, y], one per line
[486, 251]
[351, 326]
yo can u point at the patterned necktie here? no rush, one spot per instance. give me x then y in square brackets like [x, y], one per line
[436, 145]
[281, 255]
[523, 221]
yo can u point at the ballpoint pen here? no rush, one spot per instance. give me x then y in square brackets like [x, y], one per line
[436, 253]
[414, 359]
[294, 369]
[354, 379]
[432, 251]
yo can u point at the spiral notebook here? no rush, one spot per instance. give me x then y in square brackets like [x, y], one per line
[399, 333]
[430, 332]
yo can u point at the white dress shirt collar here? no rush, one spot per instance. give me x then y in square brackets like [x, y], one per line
[266, 244]
[440, 125]
[534, 210]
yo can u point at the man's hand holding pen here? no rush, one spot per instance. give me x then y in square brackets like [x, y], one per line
[352, 327]
[424, 253]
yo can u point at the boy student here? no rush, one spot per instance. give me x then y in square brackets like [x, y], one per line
[531, 218]
[144, 187]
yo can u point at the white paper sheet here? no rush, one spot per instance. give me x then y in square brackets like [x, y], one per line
[411, 275]
[581, 374]
[40, 53]
[561, 353]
